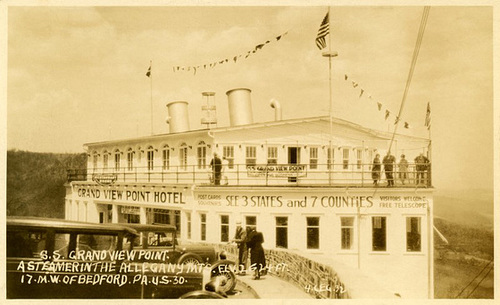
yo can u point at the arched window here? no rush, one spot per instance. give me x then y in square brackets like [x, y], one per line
[151, 158]
[201, 155]
[130, 159]
[117, 159]
[166, 157]
[183, 156]
[95, 158]
[105, 159]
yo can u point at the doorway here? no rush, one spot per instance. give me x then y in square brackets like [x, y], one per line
[293, 158]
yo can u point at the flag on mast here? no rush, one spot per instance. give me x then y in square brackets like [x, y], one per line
[148, 74]
[324, 29]
[428, 116]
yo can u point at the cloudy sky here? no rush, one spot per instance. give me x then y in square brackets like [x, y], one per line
[77, 74]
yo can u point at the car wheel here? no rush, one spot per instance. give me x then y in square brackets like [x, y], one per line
[190, 259]
[228, 281]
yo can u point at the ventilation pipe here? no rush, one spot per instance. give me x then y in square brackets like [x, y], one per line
[178, 118]
[240, 106]
[277, 109]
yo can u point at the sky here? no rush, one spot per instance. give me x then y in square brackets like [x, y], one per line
[77, 74]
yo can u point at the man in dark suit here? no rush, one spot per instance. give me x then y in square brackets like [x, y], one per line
[216, 165]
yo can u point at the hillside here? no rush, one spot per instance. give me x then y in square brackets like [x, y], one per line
[35, 182]
[463, 268]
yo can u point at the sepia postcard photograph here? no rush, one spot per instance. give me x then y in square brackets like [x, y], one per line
[247, 152]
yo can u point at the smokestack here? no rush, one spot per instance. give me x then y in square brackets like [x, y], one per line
[240, 106]
[178, 116]
[277, 109]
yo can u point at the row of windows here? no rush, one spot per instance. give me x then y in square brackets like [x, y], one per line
[227, 153]
[379, 231]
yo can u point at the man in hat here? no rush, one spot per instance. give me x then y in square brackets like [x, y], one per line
[216, 165]
[241, 240]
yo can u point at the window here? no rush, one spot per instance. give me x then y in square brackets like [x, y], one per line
[228, 152]
[139, 155]
[202, 155]
[105, 159]
[177, 217]
[151, 158]
[251, 222]
[370, 159]
[251, 155]
[183, 156]
[224, 228]
[312, 232]
[313, 158]
[158, 216]
[330, 158]
[117, 160]
[130, 159]
[95, 158]
[379, 233]
[346, 232]
[131, 214]
[282, 232]
[359, 158]
[272, 155]
[345, 158]
[413, 235]
[25, 243]
[132, 218]
[166, 158]
[203, 221]
[188, 222]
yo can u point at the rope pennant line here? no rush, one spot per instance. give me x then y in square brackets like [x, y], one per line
[235, 58]
[387, 112]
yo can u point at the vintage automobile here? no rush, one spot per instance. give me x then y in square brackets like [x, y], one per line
[51, 258]
[161, 237]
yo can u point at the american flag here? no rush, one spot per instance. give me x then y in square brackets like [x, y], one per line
[428, 116]
[324, 30]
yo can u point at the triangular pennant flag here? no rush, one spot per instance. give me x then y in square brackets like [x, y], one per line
[362, 91]
[148, 74]
[379, 105]
[235, 58]
[354, 84]
[387, 112]
[194, 68]
[278, 38]
[260, 46]
[268, 42]
[204, 66]
[345, 77]
[396, 121]
[407, 126]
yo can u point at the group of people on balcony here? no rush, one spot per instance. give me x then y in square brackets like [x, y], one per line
[389, 162]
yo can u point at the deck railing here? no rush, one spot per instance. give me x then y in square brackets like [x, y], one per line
[343, 174]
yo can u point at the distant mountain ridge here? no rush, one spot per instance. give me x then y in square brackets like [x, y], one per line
[470, 207]
[35, 182]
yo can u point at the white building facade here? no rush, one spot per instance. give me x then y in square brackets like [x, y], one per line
[306, 186]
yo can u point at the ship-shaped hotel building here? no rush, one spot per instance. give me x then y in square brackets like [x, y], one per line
[306, 184]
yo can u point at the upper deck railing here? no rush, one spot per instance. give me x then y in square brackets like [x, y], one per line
[341, 175]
